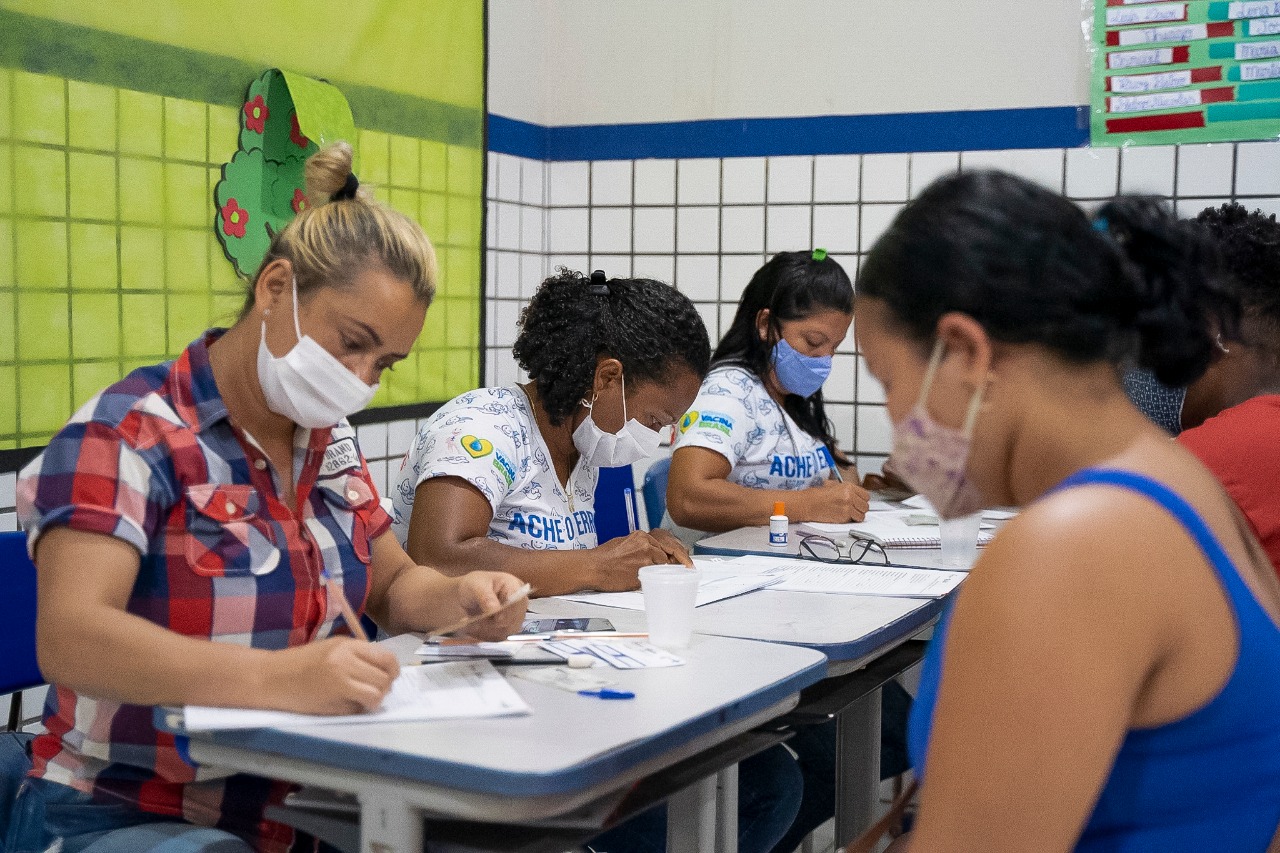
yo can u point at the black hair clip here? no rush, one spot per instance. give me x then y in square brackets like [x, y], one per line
[599, 284]
[348, 190]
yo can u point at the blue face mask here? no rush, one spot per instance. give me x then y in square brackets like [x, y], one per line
[797, 373]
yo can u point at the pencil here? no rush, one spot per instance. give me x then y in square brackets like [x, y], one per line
[348, 615]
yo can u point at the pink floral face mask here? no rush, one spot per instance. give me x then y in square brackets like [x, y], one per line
[931, 457]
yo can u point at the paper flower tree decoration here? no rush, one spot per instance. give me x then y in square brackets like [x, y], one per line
[286, 117]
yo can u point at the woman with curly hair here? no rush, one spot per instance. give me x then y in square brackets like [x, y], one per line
[1231, 415]
[507, 476]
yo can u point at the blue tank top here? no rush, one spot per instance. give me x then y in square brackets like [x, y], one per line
[1207, 782]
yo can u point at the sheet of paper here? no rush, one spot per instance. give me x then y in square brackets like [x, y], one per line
[563, 678]
[921, 502]
[619, 654]
[718, 583]
[867, 580]
[899, 528]
[878, 506]
[436, 692]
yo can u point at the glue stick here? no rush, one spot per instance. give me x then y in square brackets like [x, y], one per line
[778, 526]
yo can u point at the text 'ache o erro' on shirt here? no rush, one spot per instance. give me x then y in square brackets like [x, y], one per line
[489, 438]
[734, 416]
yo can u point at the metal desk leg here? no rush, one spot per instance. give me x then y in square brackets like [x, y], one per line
[857, 767]
[388, 824]
[691, 818]
[727, 810]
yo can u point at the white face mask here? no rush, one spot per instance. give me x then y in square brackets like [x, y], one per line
[307, 384]
[601, 449]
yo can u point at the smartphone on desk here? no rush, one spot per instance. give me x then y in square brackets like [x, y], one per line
[556, 626]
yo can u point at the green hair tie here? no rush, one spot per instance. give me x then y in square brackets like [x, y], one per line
[819, 254]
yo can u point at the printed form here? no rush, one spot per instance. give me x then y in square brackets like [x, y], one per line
[437, 692]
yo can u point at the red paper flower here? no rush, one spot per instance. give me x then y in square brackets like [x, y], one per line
[299, 201]
[234, 218]
[256, 114]
[295, 133]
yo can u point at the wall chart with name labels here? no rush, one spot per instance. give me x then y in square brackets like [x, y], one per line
[1191, 71]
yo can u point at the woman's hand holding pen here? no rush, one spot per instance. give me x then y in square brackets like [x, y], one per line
[619, 561]
[833, 502]
[481, 592]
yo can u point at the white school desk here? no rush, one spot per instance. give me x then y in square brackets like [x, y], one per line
[851, 631]
[571, 752]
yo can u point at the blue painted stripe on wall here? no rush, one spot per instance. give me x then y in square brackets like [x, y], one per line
[969, 130]
[512, 136]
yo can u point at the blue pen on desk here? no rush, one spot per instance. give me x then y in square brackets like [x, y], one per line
[606, 693]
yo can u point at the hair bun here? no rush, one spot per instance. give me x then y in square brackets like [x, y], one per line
[327, 174]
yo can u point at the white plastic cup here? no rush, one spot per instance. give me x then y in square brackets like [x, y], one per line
[960, 540]
[670, 594]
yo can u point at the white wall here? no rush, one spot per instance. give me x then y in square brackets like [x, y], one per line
[518, 46]
[569, 62]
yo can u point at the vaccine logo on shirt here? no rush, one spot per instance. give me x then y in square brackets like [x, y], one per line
[715, 421]
[689, 419]
[503, 466]
[476, 447]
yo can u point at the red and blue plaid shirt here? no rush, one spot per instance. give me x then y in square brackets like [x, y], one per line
[154, 460]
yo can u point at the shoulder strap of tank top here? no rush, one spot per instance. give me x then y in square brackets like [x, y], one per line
[1176, 506]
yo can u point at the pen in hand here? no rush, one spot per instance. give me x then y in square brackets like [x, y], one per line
[348, 615]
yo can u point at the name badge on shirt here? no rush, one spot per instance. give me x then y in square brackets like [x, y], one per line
[340, 456]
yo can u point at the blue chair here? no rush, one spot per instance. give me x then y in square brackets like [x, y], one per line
[655, 490]
[18, 668]
[611, 506]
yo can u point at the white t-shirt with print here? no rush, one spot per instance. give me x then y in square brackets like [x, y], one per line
[734, 415]
[489, 438]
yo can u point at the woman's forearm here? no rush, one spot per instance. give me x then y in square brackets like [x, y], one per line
[548, 572]
[97, 650]
[716, 506]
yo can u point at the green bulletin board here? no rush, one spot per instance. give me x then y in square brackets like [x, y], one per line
[1192, 71]
[113, 133]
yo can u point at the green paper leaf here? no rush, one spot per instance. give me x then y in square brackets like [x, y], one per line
[324, 115]
[282, 137]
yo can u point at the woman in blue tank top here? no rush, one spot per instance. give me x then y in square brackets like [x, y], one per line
[1108, 678]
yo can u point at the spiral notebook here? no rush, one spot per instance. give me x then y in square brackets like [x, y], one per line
[892, 529]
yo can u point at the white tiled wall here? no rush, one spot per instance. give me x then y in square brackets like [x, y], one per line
[706, 225]
[384, 446]
[8, 519]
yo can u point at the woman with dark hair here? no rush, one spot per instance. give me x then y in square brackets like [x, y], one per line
[1127, 613]
[506, 477]
[1232, 412]
[758, 432]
